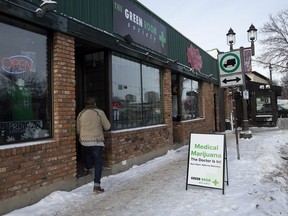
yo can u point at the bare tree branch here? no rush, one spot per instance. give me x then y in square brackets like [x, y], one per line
[284, 82]
[275, 43]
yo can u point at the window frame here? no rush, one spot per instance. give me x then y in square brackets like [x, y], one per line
[48, 74]
[176, 84]
[116, 116]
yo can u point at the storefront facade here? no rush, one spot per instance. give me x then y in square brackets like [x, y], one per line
[155, 86]
[262, 102]
[262, 108]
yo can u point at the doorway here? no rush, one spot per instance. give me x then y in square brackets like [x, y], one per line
[91, 79]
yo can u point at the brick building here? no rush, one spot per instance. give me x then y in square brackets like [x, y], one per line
[155, 85]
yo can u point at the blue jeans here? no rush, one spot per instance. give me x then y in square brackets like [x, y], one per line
[93, 156]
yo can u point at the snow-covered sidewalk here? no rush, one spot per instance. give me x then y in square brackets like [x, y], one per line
[257, 186]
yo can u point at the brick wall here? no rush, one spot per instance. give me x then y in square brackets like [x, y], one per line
[27, 168]
[125, 145]
[182, 130]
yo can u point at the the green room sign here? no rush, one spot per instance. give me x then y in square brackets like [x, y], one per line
[143, 28]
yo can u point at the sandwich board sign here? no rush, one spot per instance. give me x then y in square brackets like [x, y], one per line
[206, 161]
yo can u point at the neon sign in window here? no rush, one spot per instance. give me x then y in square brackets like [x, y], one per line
[17, 64]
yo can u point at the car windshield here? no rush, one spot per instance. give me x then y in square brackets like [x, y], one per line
[266, 108]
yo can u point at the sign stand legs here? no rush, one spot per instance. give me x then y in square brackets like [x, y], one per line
[225, 167]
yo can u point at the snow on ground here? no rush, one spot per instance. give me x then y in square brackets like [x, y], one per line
[257, 185]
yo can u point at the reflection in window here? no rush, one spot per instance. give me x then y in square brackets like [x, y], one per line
[190, 99]
[24, 102]
[152, 108]
[264, 105]
[136, 94]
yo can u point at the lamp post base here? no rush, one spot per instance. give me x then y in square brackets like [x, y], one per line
[246, 134]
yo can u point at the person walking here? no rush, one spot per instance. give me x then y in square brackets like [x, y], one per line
[91, 123]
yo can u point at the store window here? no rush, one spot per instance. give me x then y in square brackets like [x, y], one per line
[190, 99]
[25, 105]
[264, 105]
[136, 90]
[186, 98]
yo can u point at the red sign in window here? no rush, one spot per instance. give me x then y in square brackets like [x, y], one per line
[17, 64]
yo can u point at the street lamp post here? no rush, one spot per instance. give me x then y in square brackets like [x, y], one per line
[252, 37]
[231, 38]
[270, 70]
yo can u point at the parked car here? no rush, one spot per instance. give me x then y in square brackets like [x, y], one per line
[282, 112]
[267, 109]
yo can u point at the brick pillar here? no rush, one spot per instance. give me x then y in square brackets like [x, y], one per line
[64, 87]
[228, 100]
[207, 94]
[167, 95]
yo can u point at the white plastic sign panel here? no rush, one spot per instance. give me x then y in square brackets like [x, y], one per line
[231, 80]
[229, 63]
[206, 160]
[246, 94]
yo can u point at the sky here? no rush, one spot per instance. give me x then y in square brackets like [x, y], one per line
[206, 22]
[257, 184]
